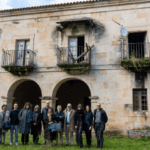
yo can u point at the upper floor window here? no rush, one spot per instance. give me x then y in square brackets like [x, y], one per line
[76, 48]
[22, 53]
[137, 44]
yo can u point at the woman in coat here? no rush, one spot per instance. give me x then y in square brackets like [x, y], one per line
[88, 124]
[4, 117]
[25, 118]
[49, 119]
[36, 124]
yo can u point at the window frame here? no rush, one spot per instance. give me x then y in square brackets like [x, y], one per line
[140, 99]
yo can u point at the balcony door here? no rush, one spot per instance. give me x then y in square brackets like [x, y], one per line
[76, 47]
[136, 44]
[22, 53]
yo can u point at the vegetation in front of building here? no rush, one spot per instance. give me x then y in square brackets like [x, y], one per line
[75, 69]
[110, 143]
[134, 64]
[19, 70]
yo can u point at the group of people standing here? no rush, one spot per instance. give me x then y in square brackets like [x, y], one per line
[69, 121]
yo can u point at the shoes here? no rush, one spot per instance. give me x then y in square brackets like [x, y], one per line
[26, 143]
[16, 143]
[10, 144]
[81, 146]
[22, 143]
[61, 144]
[72, 145]
[67, 144]
[56, 144]
[97, 146]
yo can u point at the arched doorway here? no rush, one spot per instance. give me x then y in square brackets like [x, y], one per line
[25, 91]
[74, 92]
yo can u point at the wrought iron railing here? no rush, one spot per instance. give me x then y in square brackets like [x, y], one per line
[137, 50]
[74, 55]
[17, 58]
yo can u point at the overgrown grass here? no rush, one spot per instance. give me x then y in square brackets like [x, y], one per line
[109, 144]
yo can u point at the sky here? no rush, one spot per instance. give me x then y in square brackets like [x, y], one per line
[10, 4]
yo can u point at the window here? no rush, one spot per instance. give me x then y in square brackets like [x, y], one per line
[76, 47]
[22, 55]
[136, 44]
[139, 99]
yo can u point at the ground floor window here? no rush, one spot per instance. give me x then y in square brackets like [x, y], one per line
[139, 99]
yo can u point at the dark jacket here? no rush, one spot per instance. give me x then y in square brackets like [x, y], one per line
[79, 117]
[60, 118]
[36, 129]
[89, 118]
[104, 118]
[47, 133]
[44, 112]
[14, 117]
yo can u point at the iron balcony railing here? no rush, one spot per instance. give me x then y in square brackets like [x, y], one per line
[74, 54]
[17, 58]
[138, 50]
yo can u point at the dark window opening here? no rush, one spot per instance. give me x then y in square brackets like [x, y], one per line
[139, 99]
[80, 48]
[137, 44]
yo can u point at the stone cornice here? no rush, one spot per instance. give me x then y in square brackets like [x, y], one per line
[64, 7]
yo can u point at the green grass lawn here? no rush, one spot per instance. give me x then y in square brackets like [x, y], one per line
[109, 144]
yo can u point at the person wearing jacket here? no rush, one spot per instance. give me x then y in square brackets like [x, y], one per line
[79, 120]
[36, 124]
[69, 124]
[50, 119]
[25, 118]
[88, 124]
[4, 118]
[14, 122]
[60, 119]
[100, 119]
[44, 113]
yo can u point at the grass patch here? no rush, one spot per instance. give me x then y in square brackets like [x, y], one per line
[109, 144]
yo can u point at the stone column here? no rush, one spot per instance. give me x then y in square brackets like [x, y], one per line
[8, 101]
[94, 100]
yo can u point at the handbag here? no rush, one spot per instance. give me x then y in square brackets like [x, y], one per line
[6, 125]
[54, 127]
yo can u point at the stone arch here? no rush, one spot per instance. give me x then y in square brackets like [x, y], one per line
[18, 84]
[60, 82]
[72, 90]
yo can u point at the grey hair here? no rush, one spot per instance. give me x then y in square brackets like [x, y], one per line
[37, 106]
[59, 106]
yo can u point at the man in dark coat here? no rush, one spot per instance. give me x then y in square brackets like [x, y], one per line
[44, 113]
[14, 122]
[79, 120]
[36, 124]
[100, 118]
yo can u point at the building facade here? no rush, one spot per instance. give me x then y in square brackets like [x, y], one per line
[73, 53]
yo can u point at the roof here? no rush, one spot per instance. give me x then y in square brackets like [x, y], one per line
[51, 5]
[69, 3]
[91, 21]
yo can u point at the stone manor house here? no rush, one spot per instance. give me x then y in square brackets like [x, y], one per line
[74, 52]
